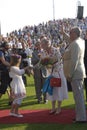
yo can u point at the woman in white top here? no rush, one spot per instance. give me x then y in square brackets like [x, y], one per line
[59, 93]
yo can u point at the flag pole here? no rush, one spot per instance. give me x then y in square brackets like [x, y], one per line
[53, 10]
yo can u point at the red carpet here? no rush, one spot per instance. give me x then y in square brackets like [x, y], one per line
[37, 116]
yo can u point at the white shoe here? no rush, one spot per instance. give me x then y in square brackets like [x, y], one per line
[18, 115]
[12, 114]
[15, 115]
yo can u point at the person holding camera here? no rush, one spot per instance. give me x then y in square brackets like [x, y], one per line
[4, 68]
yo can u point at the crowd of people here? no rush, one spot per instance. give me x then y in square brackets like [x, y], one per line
[61, 40]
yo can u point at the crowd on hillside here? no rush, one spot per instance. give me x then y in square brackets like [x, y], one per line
[29, 34]
[50, 29]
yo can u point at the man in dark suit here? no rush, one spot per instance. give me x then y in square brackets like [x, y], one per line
[85, 62]
[38, 77]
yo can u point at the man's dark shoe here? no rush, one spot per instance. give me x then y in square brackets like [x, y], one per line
[10, 103]
[38, 101]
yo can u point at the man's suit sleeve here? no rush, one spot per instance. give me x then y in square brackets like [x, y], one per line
[75, 53]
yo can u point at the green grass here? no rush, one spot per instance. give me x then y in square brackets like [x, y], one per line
[30, 103]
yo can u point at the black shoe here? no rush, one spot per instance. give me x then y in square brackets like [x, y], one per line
[38, 102]
[10, 103]
[74, 121]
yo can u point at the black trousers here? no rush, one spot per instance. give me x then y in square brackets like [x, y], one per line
[85, 83]
[4, 81]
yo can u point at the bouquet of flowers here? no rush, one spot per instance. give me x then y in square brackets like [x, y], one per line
[47, 61]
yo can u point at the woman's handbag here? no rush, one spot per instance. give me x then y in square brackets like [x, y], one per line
[55, 82]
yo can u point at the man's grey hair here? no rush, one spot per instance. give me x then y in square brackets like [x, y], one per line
[77, 30]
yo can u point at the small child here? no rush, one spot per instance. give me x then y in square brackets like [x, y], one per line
[18, 91]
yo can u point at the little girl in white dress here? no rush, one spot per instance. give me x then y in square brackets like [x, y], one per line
[18, 91]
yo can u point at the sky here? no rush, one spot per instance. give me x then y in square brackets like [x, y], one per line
[15, 14]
